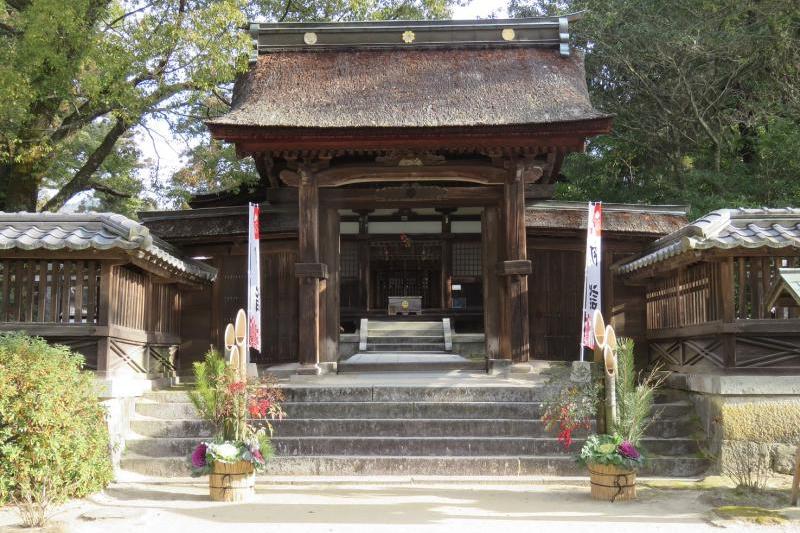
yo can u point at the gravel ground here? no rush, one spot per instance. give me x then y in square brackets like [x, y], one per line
[384, 506]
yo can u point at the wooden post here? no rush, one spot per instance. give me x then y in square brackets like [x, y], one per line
[490, 254]
[363, 259]
[516, 267]
[309, 270]
[447, 259]
[104, 313]
[728, 309]
[330, 249]
[796, 480]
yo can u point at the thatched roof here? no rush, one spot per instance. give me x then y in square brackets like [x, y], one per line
[412, 89]
[95, 231]
[726, 229]
[649, 220]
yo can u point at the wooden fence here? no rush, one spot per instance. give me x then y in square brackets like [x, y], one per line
[714, 314]
[68, 293]
[689, 297]
[60, 292]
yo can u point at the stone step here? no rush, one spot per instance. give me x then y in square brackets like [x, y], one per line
[421, 446]
[305, 427]
[401, 336]
[561, 465]
[404, 325]
[346, 367]
[392, 409]
[405, 347]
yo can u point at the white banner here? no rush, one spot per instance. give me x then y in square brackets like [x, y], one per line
[253, 279]
[593, 273]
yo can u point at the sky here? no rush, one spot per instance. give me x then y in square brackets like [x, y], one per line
[163, 151]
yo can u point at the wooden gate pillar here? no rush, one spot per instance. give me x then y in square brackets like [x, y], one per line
[516, 267]
[310, 271]
[491, 248]
[330, 249]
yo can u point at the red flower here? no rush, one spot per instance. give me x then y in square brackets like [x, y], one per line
[237, 387]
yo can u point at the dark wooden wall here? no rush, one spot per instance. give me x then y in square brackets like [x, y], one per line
[556, 292]
[279, 312]
[207, 311]
[555, 288]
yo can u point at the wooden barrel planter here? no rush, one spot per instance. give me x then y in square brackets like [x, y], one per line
[232, 482]
[611, 483]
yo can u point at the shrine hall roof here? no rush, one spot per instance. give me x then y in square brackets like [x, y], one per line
[725, 229]
[96, 231]
[451, 74]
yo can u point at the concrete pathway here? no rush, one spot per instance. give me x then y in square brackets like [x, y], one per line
[384, 506]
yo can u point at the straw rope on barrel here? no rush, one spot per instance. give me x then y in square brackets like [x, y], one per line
[611, 483]
[232, 482]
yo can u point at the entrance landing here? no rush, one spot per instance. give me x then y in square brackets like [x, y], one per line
[407, 346]
[409, 362]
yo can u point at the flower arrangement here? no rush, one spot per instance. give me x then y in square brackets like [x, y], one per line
[572, 407]
[232, 406]
[621, 447]
[610, 450]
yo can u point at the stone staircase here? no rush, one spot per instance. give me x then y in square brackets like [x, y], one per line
[406, 346]
[490, 430]
[405, 336]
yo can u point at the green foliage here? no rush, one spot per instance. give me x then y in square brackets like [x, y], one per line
[104, 69]
[210, 375]
[634, 397]
[52, 427]
[705, 97]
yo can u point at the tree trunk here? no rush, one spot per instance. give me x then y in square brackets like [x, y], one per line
[19, 188]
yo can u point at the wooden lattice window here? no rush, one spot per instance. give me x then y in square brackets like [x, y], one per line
[348, 261]
[467, 259]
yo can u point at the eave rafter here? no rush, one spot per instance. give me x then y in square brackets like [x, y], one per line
[475, 171]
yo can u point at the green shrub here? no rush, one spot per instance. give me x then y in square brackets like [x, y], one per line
[635, 394]
[52, 427]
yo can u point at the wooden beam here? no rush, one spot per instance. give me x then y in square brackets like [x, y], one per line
[565, 136]
[393, 197]
[477, 171]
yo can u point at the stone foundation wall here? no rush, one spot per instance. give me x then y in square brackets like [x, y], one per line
[738, 411]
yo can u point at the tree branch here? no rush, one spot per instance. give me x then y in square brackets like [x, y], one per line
[82, 179]
[285, 11]
[108, 190]
[221, 97]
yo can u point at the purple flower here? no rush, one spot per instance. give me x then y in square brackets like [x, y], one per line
[199, 455]
[258, 457]
[627, 449]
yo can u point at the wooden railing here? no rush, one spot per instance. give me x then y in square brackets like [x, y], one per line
[714, 314]
[754, 276]
[60, 292]
[688, 298]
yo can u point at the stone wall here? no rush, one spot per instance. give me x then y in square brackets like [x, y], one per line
[736, 410]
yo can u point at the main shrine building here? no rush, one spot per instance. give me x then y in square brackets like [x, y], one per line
[410, 161]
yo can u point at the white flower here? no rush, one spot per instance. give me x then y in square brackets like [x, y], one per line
[226, 451]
